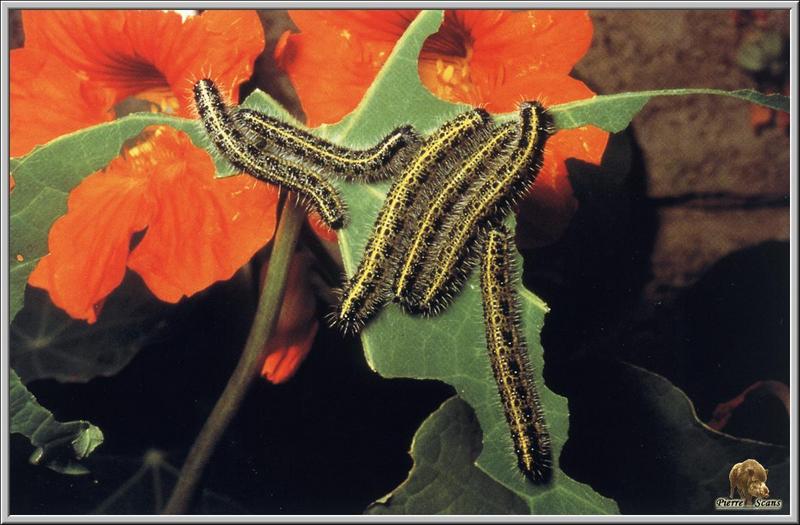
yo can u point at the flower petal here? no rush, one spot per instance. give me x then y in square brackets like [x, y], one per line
[98, 44]
[89, 245]
[230, 41]
[49, 100]
[476, 52]
[320, 228]
[336, 56]
[386, 25]
[510, 44]
[202, 229]
[297, 325]
[544, 214]
[546, 211]
[286, 352]
[136, 51]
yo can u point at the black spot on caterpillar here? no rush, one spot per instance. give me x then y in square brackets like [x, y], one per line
[491, 198]
[438, 206]
[508, 354]
[310, 186]
[369, 288]
[384, 160]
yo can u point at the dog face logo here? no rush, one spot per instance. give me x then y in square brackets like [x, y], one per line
[749, 479]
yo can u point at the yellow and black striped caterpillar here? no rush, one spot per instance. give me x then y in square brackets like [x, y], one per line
[370, 287]
[489, 199]
[310, 185]
[508, 354]
[437, 206]
[464, 176]
[384, 160]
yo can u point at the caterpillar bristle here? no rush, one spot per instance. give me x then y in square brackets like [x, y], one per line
[508, 355]
[368, 288]
[488, 199]
[322, 196]
[367, 165]
[436, 204]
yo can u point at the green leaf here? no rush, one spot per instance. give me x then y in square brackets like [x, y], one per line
[148, 488]
[46, 343]
[643, 427]
[45, 176]
[59, 446]
[699, 454]
[444, 479]
[449, 347]
[614, 112]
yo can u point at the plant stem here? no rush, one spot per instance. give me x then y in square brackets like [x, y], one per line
[269, 306]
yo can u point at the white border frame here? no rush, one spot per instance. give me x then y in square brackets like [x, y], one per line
[766, 517]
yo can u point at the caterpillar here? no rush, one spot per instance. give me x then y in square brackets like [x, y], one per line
[490, 199]
[509, 357]
[369, 287]
[437, 208]
[226, 137]
[381, 161]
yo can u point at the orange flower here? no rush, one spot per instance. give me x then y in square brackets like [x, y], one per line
[153, 55]
[75, 67]
[49, 100]
[77, 64]
[297, 325]
[199, 229]
[492, 59]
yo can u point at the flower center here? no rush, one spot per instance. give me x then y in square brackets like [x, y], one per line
[155, 100]
[448, 78]
[162, 98]
[141, 150]
[444, 65]
[146, 88]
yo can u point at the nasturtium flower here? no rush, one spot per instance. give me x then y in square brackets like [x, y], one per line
[149, 54]
[197, 229]
[493, 59]
[48, 99]
[297, 323]
[157, 209]
[76, 66]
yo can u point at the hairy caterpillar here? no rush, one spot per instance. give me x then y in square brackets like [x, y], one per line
[226, 137]
[508, 354]
[383, 160]
[489, 199]
[441, 201]
[369, 287]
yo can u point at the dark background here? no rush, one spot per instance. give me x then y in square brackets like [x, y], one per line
[677, 261]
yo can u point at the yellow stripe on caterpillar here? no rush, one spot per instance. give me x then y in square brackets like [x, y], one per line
[491, 198]
[310, 186]
[369, 287]
[436, 210]
[508, 354]
[384, 160]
